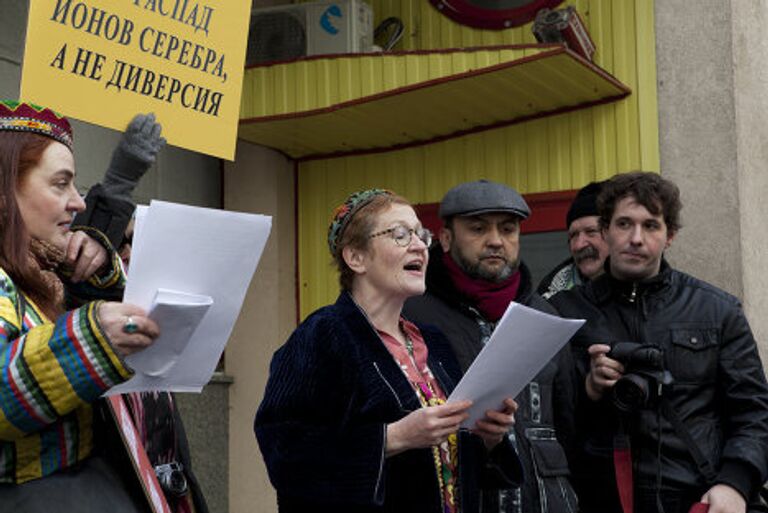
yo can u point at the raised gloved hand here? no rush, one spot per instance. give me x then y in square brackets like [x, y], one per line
[135, 153]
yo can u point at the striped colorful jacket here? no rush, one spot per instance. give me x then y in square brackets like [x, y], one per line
[50, 373]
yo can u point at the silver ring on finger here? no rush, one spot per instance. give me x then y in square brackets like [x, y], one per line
[130, 325]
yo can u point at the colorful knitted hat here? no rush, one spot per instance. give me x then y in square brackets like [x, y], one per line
[28, 117]
[344, 212]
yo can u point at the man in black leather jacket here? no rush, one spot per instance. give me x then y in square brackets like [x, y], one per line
[704, 437]
[472, 276]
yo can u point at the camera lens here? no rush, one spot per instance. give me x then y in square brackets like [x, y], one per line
[177, 483]
[630, 393]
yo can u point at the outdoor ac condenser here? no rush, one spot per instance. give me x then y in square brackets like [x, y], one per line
[316, 28]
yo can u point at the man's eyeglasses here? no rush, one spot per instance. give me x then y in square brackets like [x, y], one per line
[403, 236]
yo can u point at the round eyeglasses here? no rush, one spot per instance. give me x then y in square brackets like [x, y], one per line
[403, 236]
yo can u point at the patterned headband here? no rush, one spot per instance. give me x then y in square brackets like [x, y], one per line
[27, 117]
[344, 212]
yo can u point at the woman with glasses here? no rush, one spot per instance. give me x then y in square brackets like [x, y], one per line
[354, 415]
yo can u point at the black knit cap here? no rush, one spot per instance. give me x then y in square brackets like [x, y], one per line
[585, 203]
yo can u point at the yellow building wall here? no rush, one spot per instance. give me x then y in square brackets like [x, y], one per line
[549, 154]
[315, 84]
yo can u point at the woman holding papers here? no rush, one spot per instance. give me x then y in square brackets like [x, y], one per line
[354, 415]
[55, 362]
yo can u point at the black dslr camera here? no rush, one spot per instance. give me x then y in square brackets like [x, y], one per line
[644, 375]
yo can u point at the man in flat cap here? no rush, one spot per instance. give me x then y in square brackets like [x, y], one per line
[585, 243]
[473, 274]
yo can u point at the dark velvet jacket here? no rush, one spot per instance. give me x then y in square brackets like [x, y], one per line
[332, 390]
[544, 420]
[719, 390]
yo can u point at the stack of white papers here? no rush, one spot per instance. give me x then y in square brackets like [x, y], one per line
[190, 267]
[521, 345]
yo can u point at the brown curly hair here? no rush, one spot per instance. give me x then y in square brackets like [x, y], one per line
[659, 195]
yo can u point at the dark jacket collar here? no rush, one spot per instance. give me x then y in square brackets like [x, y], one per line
[440, 284]
[607, 286]
[354, 318]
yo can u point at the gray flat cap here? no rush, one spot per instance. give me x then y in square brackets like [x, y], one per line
[482, 197]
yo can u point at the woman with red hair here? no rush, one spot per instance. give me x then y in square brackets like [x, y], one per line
[59, 352]
[355, 417]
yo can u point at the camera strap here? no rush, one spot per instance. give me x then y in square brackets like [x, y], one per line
[622, 465]
[702, 462]
[622, 457]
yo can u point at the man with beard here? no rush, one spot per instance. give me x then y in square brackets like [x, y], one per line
[585, 242]
[473, 274]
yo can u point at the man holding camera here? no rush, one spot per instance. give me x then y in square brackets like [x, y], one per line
[674, 408]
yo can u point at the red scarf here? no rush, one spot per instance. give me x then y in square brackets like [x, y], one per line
[490, 298]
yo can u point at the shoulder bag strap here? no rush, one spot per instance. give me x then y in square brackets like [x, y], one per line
[705, 466]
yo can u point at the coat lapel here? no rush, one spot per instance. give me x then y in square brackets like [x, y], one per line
[374, 348]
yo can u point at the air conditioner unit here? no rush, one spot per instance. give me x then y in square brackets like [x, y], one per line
[315, 28]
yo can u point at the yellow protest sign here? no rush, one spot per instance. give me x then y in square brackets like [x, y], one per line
[103, 61]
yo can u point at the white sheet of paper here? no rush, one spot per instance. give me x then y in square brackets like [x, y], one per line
[521, 345]
[197, 251]
[178, 314]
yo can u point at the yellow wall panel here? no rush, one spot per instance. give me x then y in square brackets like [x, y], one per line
[582, 135]
[648, 120]
[317, 83]
[548, 154]
[536, 145]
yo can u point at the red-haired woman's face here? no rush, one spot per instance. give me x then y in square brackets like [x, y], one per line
[389, 268]
[47, 197]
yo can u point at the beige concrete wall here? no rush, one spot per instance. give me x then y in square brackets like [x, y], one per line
[13, 15]
[259, 181]
[697, 136]
[205, 419]
[750, 76]
[713, 128]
